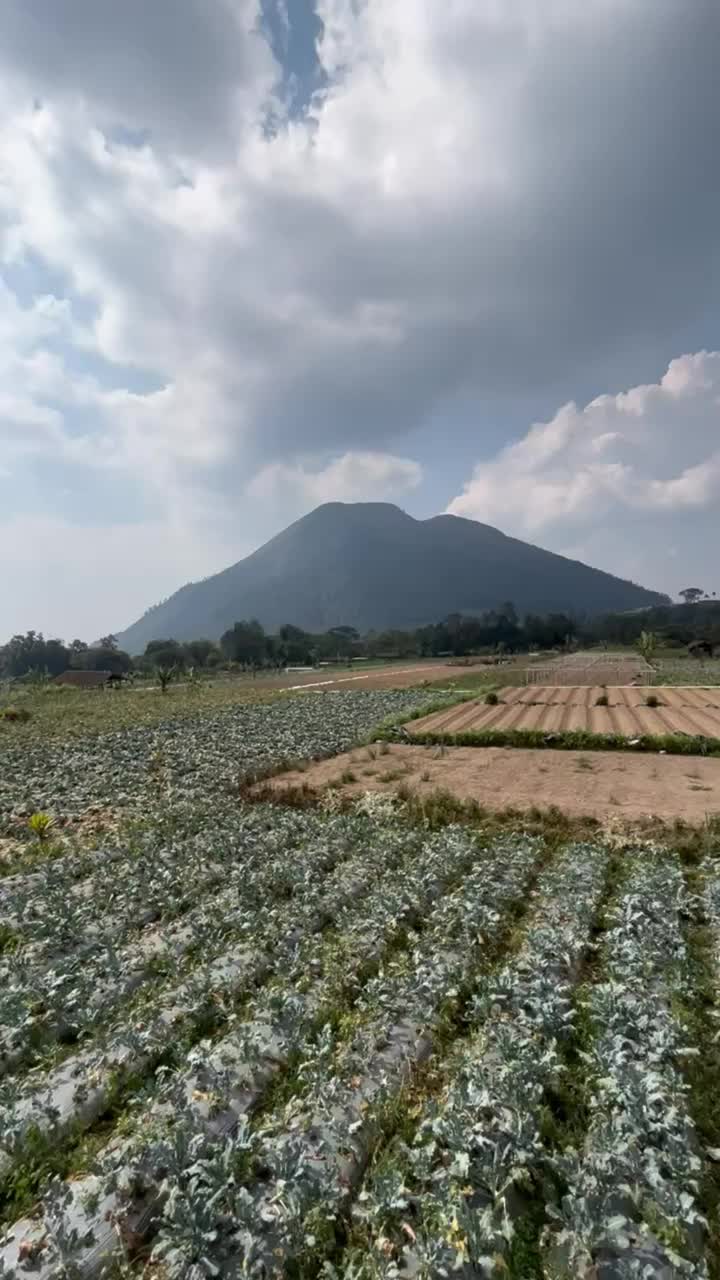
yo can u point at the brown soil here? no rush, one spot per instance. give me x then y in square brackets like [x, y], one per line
[564, 671]
[608, 785]
[399, 677]
[554, 708]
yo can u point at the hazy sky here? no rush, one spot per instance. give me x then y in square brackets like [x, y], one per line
[254, 256]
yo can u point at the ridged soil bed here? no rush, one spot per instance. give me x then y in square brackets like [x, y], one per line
[627, 711]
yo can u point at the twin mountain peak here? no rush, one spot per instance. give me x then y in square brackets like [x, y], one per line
[369, 565]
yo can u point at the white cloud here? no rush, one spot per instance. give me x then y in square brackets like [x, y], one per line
[649, 454]
[343, 276]
[484, 199]
[190, 73]
[354, 477]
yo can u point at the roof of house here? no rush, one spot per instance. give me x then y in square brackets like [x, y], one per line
[84, 679]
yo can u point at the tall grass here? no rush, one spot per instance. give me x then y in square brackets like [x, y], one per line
[569, 740]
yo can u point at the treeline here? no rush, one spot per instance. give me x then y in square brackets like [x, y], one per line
[248, 646]
[675, 625]
[32, 653]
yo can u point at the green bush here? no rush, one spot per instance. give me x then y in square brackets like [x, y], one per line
[41, 825]
[18, 715]
[602, 701]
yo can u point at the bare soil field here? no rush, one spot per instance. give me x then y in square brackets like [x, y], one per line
[400, 677]
[610, 786]
[585, 668]
[556, 708]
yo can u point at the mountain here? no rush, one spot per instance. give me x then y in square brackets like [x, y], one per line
[370, 565]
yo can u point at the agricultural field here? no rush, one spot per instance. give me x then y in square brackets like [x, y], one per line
[181, 759]
[591, 668]
[60, 711]
[304, 1043]
[686, 671]
[627, 711]
[341, 1037]
[611, 787]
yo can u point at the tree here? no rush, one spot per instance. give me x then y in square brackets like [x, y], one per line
[295, 645]
[647, 644]
[245, 642]
[101, 659]
[691, 595]
[107, 642]
[202, 653]
[32, 652]
[508, 610]
[164, 675]
[164, 653]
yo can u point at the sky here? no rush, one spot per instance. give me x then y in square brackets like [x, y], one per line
[260, 254]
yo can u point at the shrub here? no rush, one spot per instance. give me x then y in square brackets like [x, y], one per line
[652, 700]
[9, 940]
[647, 644]
[19, 714]
[41, 824]
[491, 699]
[165, 675]
[602, 701]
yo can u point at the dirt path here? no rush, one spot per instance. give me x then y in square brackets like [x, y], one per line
[605, 785]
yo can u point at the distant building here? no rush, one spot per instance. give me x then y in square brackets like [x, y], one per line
[89, 679]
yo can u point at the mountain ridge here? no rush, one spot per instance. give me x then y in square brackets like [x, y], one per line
[373, 566]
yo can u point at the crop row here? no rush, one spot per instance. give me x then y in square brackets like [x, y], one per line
[266, 858]
[341, 860]
[312, 1151]
[631, 1202]
[64, 998]
[450, 1201]
[202, 1121]
[184, 761]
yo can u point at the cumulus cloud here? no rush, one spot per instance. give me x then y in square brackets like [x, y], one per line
[354, 477]
[646, 460]
[190, 75]
[481, 200]
[440, 220]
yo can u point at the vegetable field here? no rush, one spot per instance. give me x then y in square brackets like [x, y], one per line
[184, 760]
[290, 1041]
[252, 1040]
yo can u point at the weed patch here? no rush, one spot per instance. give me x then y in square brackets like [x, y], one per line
[573, 740]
